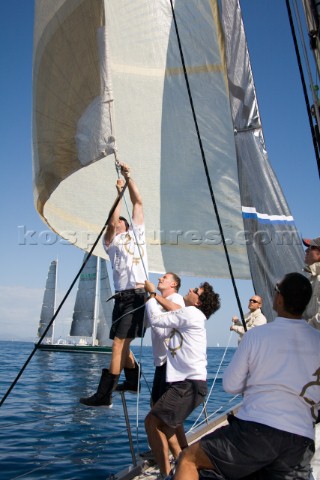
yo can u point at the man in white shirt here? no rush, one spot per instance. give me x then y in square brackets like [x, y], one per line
[277, 369]
[185, 335]
[125, 244]
[168, 300]
[254, 318]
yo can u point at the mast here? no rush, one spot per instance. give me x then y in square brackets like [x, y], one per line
[55, 300]
[96, 303]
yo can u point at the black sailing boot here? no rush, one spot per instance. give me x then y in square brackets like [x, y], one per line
[131, 383]
[103, 395]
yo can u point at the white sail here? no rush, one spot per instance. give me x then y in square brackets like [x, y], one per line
[126, 65]
[48, 304]
[153, 127]
[104, 308]
[92, 313]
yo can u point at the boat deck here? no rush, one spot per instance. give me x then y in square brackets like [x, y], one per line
[145, 471]
[316, 458]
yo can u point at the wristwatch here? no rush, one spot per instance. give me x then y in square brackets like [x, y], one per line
[152, 294]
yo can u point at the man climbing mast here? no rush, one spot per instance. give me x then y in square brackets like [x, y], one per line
[125, 244]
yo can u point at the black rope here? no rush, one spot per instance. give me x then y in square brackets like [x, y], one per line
[119, 197]
[304, 87]
[207, 171]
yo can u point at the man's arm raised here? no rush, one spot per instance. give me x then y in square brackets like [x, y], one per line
[166, 304]
[135, 197]
[114, 220]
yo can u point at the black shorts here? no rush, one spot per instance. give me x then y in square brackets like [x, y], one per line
[159, 385]
[242, 448]
[179, 400]
[127, 323]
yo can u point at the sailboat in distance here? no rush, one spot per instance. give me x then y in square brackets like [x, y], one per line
[92, 314]
[49, 303]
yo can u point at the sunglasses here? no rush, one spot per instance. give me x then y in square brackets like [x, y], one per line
[195, 290]
[251, 300]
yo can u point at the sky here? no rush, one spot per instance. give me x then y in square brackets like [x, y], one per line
[25, 250]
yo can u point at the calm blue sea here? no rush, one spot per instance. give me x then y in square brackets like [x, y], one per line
[44, 431]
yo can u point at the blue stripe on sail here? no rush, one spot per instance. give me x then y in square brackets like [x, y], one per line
[250, 212]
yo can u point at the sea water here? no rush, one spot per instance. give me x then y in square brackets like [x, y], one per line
[45, 433]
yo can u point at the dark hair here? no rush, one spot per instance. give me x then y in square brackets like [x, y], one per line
[296, 291]
[210, 301]
[175, 279]
[125, 221]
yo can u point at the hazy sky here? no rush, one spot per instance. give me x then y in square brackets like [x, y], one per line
[26, 257]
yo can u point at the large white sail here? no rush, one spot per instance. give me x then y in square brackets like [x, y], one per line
[151, 122]
[120, 61]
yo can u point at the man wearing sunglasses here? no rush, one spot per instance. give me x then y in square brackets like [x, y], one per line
[184, 333]
[253, 318]
[312, 261]
[277, 370]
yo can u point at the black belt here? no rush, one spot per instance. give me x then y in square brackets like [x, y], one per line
[125, 293]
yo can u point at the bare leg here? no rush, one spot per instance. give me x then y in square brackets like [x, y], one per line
[191, 460]
[174, 446]
[178, 441]
[130, 361]
[158, 442]
[121, 355]
[181, 437]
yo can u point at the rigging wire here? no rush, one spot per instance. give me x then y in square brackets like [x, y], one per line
[223, 408]
[315, 108]
[306, 58]
[66, 295]
[139, 362]
[206, 169]
[213, 384]
[304, 87]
